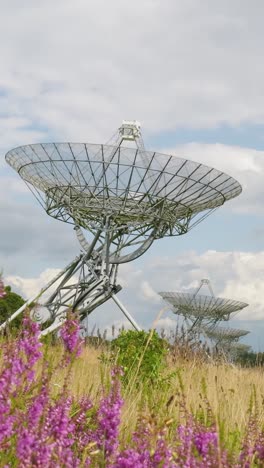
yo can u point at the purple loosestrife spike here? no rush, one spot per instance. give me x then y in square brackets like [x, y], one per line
[26, 446]
[260, 452]
[37, 408]
[60, 422]
[151, 446]
[83, 435]
[51, 438]
[109, 417]
[130, 458]
[204, 441]
[19, 359]
[259, 447]
[163, 455]
[249, 444]
[70, 334]
[185, 435]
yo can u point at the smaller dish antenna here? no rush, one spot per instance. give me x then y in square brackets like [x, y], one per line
[225, 334]
[238, 348]
[202, 310]
[203, 313]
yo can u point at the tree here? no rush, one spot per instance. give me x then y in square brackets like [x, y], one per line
[9, 303]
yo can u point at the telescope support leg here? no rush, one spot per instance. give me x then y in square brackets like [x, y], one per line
[125, 312]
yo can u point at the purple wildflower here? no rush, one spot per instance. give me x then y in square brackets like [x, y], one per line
[259, 447]
[205, 441]
[186, 437]
[84, 435]
[150, 448]
[70, 334]
[26, 446]
[19, 359]
[130, 458]
[109, 417]
[47, 434]
[251, 442]
[37, 407]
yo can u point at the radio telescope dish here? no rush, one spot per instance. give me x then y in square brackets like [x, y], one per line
[202, 306]
[220, 334]
[202, 311]
[123, 198]
[239, 347]
[226, 340]
[136, 191]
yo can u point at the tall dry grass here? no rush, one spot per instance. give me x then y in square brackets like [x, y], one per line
[227, 388]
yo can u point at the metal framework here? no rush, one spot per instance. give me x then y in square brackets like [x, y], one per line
[201, 311]
[225, 334]
[237, 348]
[225, 339]
[119, 200]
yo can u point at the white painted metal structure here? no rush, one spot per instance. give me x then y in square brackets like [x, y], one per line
[119, 200]
[202, 310]
[202, 314]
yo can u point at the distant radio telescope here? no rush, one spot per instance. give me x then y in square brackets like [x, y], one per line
[202, 311]
[226, 339]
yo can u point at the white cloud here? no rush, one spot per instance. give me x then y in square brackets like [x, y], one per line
[77, 69]
[28, 287]
[129, 275]
[166, 323]
[149, 293]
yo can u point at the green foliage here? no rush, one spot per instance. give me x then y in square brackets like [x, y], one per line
[250, 359]
[141, 355]
[9, 304]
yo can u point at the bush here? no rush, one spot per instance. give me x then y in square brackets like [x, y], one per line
[9, 304]
[141, 354]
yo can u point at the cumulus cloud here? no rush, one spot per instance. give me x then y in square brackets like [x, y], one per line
[76, 70]
[29, 287]
[149, 293]
[29, 239]
[129, 275]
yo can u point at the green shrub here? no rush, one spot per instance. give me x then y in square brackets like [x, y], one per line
[10, 304]
[141, 354]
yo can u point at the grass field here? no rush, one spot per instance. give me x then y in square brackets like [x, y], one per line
[191, 412]
[227, 387]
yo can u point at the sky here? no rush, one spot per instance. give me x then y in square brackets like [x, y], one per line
[192, 73]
